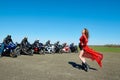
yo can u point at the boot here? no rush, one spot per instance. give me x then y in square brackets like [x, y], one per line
[83, 65]
[86, 67]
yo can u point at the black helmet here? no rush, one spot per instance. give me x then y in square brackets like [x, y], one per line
[36, 40]
[48, 40]
[9, 36]
[25, 38]
[72, 43]
[58, 41]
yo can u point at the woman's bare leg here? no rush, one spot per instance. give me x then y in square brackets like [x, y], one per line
[84, 64]
[81, 56]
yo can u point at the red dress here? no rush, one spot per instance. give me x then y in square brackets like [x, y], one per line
[90, 53]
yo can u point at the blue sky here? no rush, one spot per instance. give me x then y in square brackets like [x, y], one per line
[61, 20]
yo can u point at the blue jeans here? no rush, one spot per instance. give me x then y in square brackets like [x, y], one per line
[1, 48]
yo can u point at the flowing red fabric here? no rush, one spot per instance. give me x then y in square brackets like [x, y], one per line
[90, 53]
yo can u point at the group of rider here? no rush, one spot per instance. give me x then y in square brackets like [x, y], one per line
[24, 43]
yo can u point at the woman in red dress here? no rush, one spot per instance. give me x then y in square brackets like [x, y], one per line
[87, 52]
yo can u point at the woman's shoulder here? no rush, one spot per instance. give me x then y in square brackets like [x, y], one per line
[83, 35]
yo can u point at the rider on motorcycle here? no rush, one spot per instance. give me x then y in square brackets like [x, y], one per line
[48, 43]
[9, 46]
[7, 40]
[57, 47]
[73, 48]
[72, 45]
[26, 47]
[56, 44]
[38, 47]
[36, 43]
[64, 45]
[24, 43]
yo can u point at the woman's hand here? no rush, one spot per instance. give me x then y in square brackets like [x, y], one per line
[82, 44]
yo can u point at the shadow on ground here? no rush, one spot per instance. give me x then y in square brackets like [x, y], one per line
[78, 66]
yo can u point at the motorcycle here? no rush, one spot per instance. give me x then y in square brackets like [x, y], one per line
[65, 49]
[50, 49]
[58, 49]
[9, 50]
[74, 48]
[39, 48]
[27, 50]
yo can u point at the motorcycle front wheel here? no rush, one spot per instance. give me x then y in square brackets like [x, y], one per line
[30, 52]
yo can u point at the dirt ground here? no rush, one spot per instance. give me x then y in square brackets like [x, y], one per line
[58, 67]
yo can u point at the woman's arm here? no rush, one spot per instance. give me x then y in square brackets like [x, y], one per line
[86, 40]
